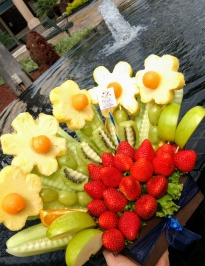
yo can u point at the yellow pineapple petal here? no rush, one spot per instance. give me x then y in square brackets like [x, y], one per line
[122, 74]
[170, 80]
[13, 180]
[63, 110]
[100, 74]
[19, 143]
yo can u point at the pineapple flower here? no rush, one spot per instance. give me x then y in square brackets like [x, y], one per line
[34, 143]
[19, 197]
[124, 86]
[71, 105]
[159, 79]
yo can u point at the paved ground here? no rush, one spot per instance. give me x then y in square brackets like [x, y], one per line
[87, 17]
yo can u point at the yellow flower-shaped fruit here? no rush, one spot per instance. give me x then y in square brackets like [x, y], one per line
[71, 105]
[122, 82]
[19, 197]
[159, 79]
[34, 143]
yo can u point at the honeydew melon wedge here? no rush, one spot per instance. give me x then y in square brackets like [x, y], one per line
[33, 241]
[84, 244]
[70, 224]
[34, 232]
[39, 246]
[168, 122]
[188, 125]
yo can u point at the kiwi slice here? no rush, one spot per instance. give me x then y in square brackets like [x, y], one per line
[128, 131]
[103, 140]
[73, 179]
[88, 153]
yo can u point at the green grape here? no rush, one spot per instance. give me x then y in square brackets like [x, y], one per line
[153, 135]
[87, 130]
[154, 114]
[48, 194]
[83, 198]
[67, 161]
[83, 169]
[120, 116]
[67, 197]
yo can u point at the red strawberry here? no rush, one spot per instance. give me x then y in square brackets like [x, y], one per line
[163, 165]
[94, 171]
[108, 220]
[145, 150]
[185, 160]
[111, 176]
[113, 240]
[130, 187]
[157, 186]
[125, 148]
[142, 170]
[95, 189]
[165, 148]
[107, 159]
[114, 200]
[96, 207]
[122, 162]
[129, 224]
[146, 206]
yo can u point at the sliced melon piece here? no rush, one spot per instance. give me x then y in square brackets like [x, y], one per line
[31, 233]
[39, 246]
[33, 241]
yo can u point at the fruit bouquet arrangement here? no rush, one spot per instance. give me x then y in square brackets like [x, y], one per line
[125, 166]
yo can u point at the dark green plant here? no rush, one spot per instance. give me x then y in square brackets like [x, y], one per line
[44, 7]
[63, 45]
[5, 38]
[74, 5]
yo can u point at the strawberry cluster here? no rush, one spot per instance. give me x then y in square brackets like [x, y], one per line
[126, 187]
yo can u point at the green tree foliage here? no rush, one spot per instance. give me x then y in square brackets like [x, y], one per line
[44, 7]
[5, 38]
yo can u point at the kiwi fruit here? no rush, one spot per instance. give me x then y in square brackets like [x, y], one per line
[73, 179]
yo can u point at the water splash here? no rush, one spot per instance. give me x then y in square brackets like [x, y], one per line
[122, 32]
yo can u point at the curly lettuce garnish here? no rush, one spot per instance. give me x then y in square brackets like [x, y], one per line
[166, 205]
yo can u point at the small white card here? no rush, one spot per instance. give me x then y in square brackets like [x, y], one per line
[106, 98]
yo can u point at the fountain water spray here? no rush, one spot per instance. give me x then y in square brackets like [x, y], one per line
[122, 32]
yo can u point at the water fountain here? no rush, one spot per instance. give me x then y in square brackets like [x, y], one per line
[168, 30]
[121, 30]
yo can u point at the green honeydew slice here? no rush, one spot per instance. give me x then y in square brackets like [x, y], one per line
[188, 125]
[33, 241]
[31, 233]
[39, 246]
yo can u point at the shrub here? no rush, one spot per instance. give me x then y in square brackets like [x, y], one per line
[45, 6]
[5, 38]
[62, 46]
[74, 5]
